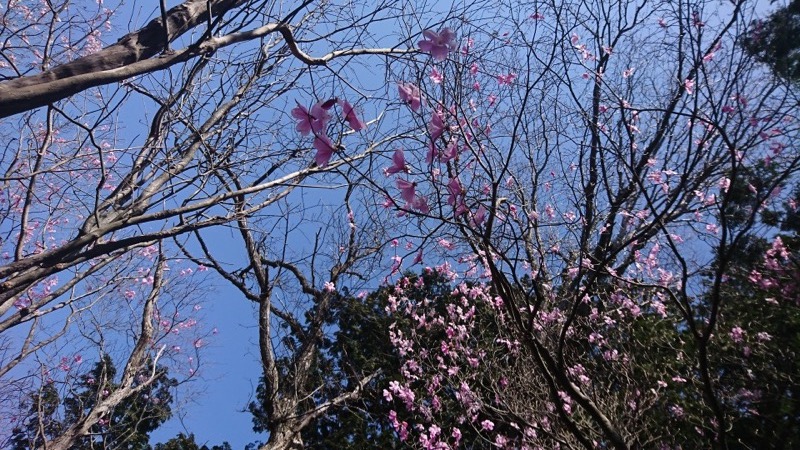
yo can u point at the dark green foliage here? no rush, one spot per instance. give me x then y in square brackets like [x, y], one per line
[184, 442]
[127, 426]
[775, 41]
[360, 346]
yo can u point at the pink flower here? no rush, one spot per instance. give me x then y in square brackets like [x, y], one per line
[311, 121]
[329, 286]
[688, 84]
[410, 94]
[436, 76]
[398, 163]
[449, 152]
[418, 257]
[455, 189]
[438, 44]
[478, 217]
[350, 116]
[487, 425]
[628, 72]
[456, 435]
[436, 125]
[324, 148]
[737, 335]
[420, 204]
[506, 79]
[407, 189]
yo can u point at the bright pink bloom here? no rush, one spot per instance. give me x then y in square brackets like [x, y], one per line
[479, 217]
[450, 152]
[455, 189]
[313, 120]
[410, 94]
[438, 44]
[351, 117]
[506, 79]
[324, 148]
[407, 189]
[398, 163]
[436, 125]
[436, 76]
[420, 204]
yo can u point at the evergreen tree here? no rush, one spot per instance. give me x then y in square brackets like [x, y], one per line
[127, 426]
[774, 41]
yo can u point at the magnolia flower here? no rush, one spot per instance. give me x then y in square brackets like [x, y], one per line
[324, 148]
[436, 125]
[313, 120]
[350, 116]
[410, 94]
[398, 163]
[438, 44]
[407, 189]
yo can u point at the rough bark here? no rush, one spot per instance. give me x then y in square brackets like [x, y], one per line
[30, 92]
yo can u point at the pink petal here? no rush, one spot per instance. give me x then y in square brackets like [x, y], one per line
[407, 189]
[324, 148]
[351, 117]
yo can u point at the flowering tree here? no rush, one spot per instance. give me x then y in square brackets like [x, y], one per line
[120, 157]
[579, 165]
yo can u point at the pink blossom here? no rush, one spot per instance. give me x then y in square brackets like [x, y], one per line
[479, 217]
[329, 286]
[418, 257]
[438, 44]
[324, 148]
[487, 425]
[436, 76]
[410, 94]
[688, 84]
[420, 204]
[724, 184]
[444, 243]
[351, 117]
[737, 335]
[398, 163]
[506, 79]
[455, 190]
[436, 125]
[456, 435]
[311, 121]
[407, 189]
